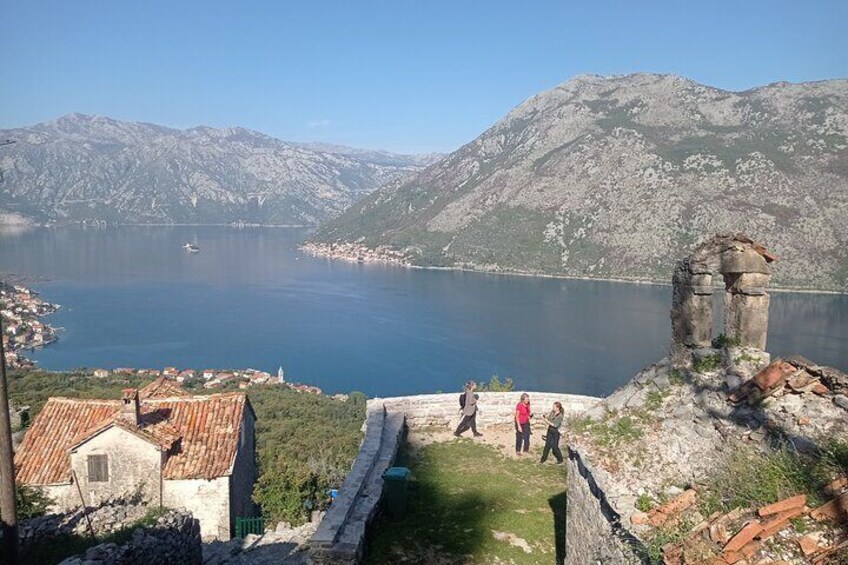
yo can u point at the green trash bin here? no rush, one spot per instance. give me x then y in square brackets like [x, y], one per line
[395, 483]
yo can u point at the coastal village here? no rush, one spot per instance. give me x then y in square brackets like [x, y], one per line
[21, 309]
[211, 378]
[356, 252]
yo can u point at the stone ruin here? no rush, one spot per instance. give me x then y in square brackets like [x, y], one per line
[744, 266]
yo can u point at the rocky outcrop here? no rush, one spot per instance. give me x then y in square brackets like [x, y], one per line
[609, 176]
[663, 435]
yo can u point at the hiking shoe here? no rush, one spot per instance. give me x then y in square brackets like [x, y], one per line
[478, 435]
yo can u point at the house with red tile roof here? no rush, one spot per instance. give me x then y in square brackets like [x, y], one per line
[174, 449]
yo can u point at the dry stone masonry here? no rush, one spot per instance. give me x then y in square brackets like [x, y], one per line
[174, 539]
[744, 265]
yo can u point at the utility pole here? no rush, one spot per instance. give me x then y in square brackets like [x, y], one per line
[8, 504]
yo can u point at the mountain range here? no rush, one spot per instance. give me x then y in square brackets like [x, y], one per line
[80, 168]
[615, 177]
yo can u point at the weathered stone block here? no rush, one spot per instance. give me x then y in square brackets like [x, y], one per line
[746, 318]
[743, 260]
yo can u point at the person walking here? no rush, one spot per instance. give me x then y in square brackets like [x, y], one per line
[468, 407]
[522, 424]
[554, 422]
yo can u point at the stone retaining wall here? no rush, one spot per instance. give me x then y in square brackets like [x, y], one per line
[594, 533]
[340, 538]
[494, 408]
[174, 539]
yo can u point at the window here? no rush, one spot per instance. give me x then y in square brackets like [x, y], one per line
[98, 469]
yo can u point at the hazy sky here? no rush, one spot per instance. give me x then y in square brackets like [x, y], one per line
[420, 75]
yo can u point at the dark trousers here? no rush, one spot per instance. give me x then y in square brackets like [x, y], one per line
[467, 422]
[522, 436]
[552, 444]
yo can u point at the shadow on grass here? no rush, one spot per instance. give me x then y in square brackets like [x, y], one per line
[438, 527]
[558, 504]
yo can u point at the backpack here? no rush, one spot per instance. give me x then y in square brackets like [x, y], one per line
[462, 400]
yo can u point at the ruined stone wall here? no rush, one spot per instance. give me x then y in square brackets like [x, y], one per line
[593, 532]
[494, 408]
[174, 539]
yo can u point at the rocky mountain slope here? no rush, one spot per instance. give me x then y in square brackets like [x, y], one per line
[612, 177]
[82, 167]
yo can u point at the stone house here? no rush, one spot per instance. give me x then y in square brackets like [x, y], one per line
[174, 449]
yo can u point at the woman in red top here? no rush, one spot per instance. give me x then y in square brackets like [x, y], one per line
[522, 425]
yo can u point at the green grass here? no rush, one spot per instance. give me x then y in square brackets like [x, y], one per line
[460, 494]
[707, 364]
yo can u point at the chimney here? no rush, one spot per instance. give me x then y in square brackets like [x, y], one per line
[129, 406]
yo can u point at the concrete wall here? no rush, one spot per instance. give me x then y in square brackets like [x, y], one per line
[244, 474]
[593, 531]
[209, 501]
[494, 408]
[134, 465]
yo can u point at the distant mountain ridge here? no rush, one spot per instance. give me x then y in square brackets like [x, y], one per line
[79, 168]
[612, 177]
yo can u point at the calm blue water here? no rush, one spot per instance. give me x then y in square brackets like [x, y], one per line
[133, 297]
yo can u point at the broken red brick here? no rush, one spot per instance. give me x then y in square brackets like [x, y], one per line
[800, 380]
[773, 375]
[809, 545]
[732, 557]
[746, 534]
[782, 505]
[751, 548]
[660, 515]
[803, 421]
[820, 389]
[835, 486]
[834, 511]
[681, 502]
[639, 519]
[780, 521]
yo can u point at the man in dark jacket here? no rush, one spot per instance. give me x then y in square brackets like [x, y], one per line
[468, 405]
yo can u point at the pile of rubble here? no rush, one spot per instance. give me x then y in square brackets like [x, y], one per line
[766, 535]
[284, 544]
[105, 519]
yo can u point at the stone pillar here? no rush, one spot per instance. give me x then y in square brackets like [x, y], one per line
[691, 307]
[746, 303]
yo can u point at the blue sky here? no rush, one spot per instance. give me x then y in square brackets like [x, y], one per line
[401, 75]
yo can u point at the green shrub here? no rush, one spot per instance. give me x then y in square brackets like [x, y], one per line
[644, 503]
[495, 385]
[31, 502]
[721, 341]
[708, 363]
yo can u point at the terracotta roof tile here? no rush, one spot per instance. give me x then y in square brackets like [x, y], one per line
[200, 432]
[162, 388]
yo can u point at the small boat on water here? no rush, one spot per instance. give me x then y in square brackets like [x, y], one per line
[190, 247]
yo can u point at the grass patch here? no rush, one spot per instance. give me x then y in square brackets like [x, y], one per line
[707, 364]
[676, 377]
[644, 503]
[654, 399]
[750, 479]
[461, 493]
[721, 341]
